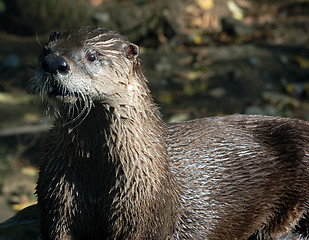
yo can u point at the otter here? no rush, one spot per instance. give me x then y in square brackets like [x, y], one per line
[113, 169]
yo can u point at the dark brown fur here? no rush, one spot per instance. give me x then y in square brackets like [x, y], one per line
[249, 172]
[114, 170]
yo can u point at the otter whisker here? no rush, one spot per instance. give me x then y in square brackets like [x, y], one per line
[82, 101]
[71, 110]
[38, 40]
[86, 115]
[85, 99]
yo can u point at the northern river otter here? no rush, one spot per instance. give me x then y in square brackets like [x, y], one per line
[114, 170]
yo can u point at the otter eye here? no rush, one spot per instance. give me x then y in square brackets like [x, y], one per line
[91, 57]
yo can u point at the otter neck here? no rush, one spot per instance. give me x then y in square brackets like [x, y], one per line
[133, 137]
[122, 153]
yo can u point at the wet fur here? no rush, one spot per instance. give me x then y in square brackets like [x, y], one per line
[249, 172]
[113, 170]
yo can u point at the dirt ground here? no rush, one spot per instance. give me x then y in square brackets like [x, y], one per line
[202, 58]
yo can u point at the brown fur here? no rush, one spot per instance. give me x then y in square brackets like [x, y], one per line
[249, 172]
[114, 170]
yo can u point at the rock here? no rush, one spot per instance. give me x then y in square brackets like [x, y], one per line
[11, 61]
[102, 17]
[254, 61]
[217, 92]
[234, 27]
[6, 210]
[24, 225]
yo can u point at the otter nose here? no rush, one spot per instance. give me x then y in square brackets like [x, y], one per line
[55, 64]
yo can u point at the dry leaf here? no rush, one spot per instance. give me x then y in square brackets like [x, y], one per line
[165, 97]
[179, 117]
[20, 206]
[30, 171]
[236, 11]
[302, 62]
[188, 90]
[205, 4]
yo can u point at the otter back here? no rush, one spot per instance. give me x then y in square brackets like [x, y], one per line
[241, 176]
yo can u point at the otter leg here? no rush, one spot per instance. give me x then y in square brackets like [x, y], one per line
[302, 229]
[301, 232]
[58, 230]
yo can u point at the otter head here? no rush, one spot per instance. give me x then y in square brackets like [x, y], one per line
[87, 66]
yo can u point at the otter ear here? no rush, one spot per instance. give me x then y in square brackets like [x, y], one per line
[131, 50]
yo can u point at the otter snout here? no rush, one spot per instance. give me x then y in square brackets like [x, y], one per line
[54, 64]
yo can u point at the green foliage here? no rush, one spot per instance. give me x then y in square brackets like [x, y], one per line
[2, 6]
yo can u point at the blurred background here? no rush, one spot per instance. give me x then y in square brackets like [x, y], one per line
[202, 58]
